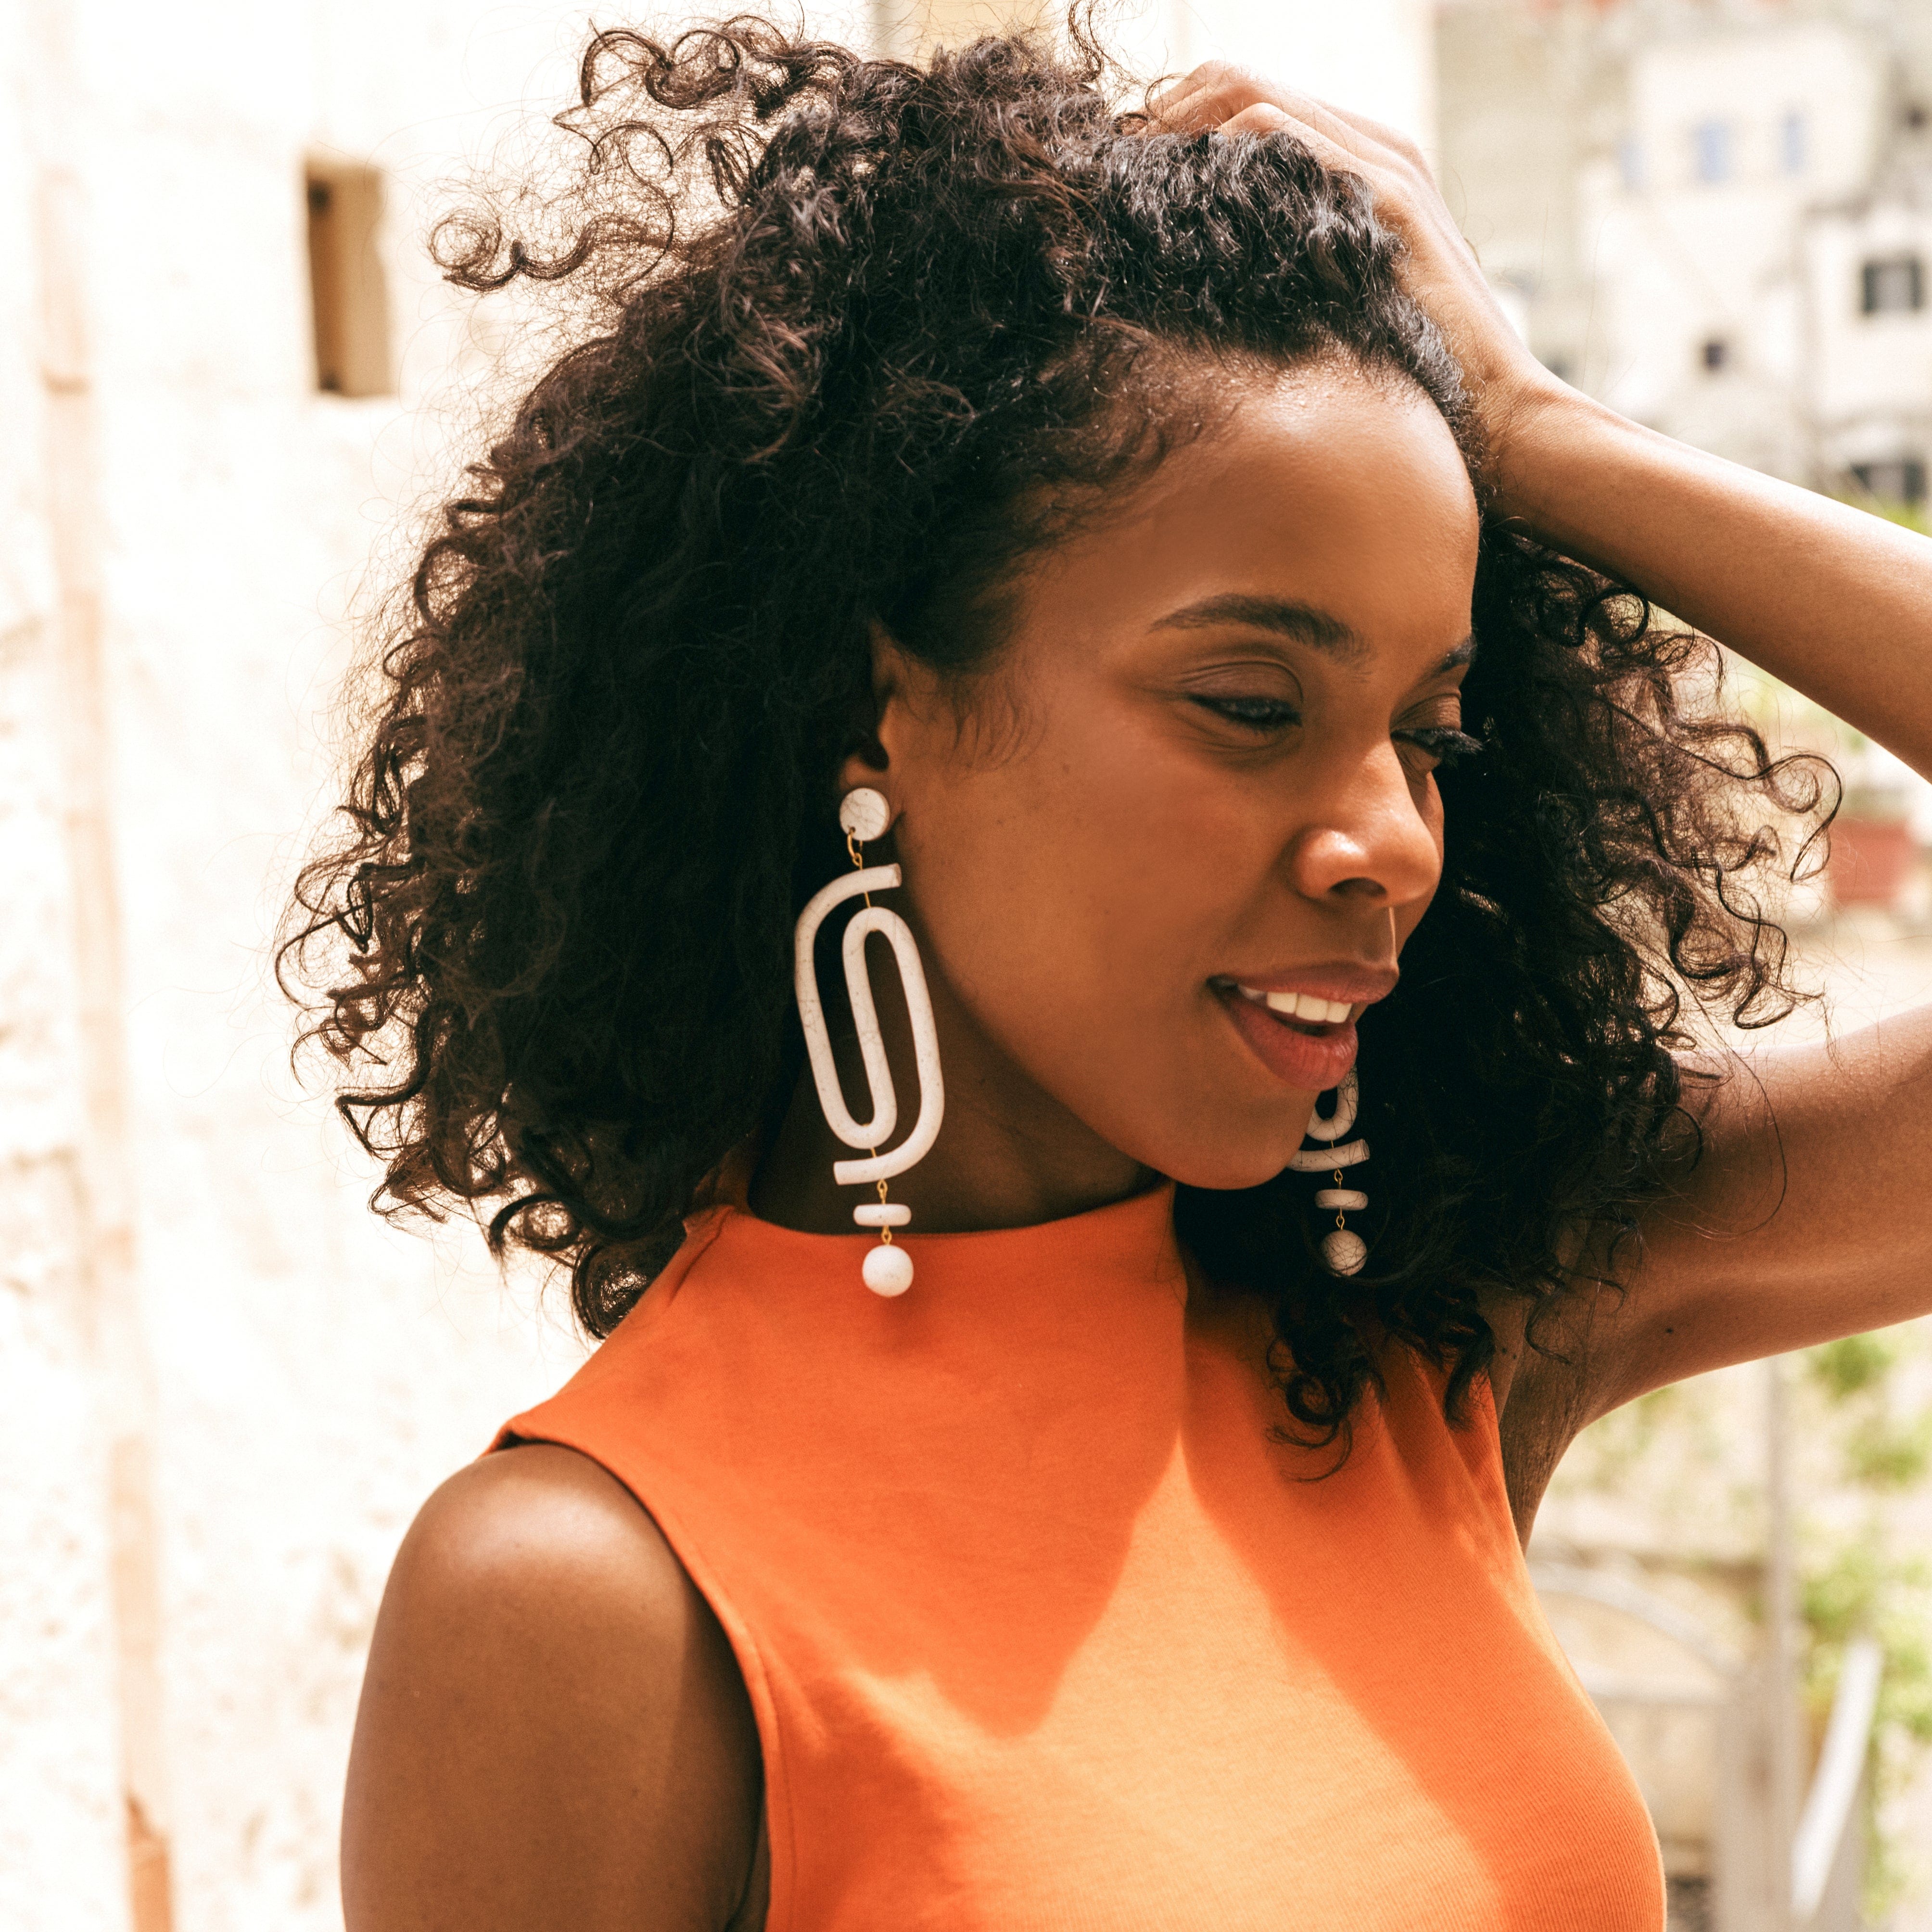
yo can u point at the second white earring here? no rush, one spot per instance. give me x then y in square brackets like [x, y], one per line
[1342, 1249]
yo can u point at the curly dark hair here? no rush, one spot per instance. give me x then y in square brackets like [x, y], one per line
[852, 338]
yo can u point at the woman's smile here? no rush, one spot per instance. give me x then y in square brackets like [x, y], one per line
[1305, 1038]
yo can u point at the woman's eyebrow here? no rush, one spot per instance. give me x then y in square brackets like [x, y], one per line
[1304, 623]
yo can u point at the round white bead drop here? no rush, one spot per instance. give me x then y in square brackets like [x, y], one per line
[888, 1271]
[1345, 1252]
[865, 814]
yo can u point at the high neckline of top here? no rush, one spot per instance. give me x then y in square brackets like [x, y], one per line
[1131, 1238]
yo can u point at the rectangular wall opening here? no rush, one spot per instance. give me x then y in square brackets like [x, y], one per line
[1892, 285]
[349, 296]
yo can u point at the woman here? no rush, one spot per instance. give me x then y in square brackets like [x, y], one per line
[1142, 547]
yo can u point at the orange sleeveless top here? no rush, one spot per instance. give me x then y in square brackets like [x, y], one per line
[1044, 1628]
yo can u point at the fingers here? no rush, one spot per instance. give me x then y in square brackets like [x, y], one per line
[1263, 118]
[1218, 94]
[1206, 97]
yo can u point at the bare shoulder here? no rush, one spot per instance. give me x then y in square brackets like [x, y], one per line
[553, 1731]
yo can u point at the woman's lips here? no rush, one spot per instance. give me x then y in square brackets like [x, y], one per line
[1311, 1057]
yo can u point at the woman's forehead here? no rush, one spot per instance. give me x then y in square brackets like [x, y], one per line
[1338, 496]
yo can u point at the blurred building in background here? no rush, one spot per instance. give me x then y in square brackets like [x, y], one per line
[226, 373]
[1717, 218]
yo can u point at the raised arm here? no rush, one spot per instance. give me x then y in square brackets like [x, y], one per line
[1836, 602]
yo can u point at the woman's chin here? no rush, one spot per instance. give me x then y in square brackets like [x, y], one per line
[1226, 1166]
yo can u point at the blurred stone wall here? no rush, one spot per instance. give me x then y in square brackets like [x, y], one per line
[227, 1386]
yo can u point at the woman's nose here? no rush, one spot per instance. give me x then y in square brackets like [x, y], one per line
[1370, 837]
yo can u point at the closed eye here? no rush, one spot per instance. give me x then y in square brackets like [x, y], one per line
[1445, 744]
[1257, 714]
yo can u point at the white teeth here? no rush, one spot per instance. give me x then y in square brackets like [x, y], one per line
[1298, 1006]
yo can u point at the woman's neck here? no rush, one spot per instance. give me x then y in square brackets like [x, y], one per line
[1008, 1155]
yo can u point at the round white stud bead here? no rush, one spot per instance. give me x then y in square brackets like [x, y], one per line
[888, 1271]
[1344, 1252]
[887, 1214]
[865, 814]
[1350, 1197]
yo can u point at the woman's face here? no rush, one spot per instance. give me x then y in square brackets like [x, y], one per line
[1201, 776]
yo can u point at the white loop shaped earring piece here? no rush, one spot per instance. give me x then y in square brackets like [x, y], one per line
[864, 814]
[1342, 1249]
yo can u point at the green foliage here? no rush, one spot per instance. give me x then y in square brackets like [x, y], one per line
[1862, 1586]
[1881, 1454]
[1863, 1590]
[1626, 1436]
[1851, 1366]
[1838, 1598]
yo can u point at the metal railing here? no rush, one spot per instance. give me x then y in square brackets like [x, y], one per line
[1825, 1865]
[1826, 1869]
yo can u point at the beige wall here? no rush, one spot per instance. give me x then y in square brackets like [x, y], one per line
[227, 1386]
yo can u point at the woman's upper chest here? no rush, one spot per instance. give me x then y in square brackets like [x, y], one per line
[1044, 1624]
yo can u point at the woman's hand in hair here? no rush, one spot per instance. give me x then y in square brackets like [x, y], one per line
[1506, 383]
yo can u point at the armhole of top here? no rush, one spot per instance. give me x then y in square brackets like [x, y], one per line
[777, 1813]
[1488, 1468]
[535, 1425]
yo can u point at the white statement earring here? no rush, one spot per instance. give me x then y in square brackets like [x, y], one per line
[864, 815]
[1342, 1249]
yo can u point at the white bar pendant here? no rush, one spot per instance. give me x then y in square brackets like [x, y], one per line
[1320, 1160]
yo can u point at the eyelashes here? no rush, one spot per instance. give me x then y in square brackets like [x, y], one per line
[1446, 744]
[1258, 714]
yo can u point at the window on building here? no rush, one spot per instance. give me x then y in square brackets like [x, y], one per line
[1792, 143]
[1899, 480]
[1711, 150]
[349, 299]
[1715, 354]
[1892, 285]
